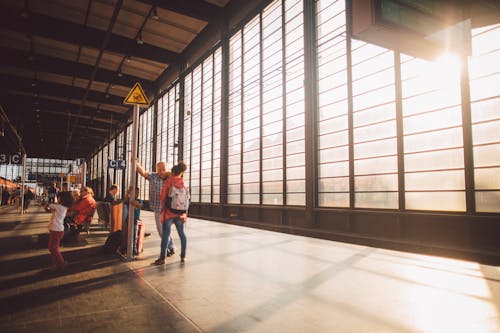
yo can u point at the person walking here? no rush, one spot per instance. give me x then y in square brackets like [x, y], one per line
[156, 180]
[56, 227]
[171, 216]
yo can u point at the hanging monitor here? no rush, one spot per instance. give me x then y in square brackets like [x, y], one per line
[423, 28]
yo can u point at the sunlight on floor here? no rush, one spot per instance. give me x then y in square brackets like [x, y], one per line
[447, 295]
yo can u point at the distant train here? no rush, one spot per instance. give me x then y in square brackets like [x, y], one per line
[7, 184]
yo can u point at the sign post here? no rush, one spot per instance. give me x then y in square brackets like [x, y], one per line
[22, 181]
[84, 180]
[135, 97]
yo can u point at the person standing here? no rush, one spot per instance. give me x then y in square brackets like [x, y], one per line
[5, 196]
[170, 216]
[137, 204]
[52, 192]
[156, 180]
[28, 196]
[56, 227]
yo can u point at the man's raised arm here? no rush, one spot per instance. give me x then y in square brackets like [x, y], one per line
[140, 170]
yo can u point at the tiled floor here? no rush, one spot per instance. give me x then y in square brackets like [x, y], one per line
[238, 279]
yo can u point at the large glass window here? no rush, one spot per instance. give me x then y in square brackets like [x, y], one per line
[234, 120]
[168, 127]
[272, 105]
[105, 173]
[202, 129]
[145, 149]
[374, 127]
[206, 130]
[294, 103]
[333, 131]
[251, 112]
[432, 132]
[188, 108]
[484, 69]
[266, 108]
[195, 137]
[216, 127]
[128, 155]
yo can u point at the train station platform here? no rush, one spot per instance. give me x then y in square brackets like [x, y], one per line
[236, 279]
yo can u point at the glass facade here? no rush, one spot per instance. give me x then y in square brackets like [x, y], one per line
[168, 127]
[39, 170]
[390, 131]
[266, 108]
[202, 129]
[333, 106]
[484, 71]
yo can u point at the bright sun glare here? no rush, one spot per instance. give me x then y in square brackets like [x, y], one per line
[446, 70]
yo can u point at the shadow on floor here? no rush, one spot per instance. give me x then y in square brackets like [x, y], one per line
[43, 296]
[37, 268]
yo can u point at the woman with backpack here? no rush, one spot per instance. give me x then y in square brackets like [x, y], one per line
[175, 203]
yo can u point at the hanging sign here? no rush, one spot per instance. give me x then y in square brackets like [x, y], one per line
[136, 96]
[12, 159]
[117, 164]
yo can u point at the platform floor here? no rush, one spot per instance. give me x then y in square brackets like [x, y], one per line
[237, 279]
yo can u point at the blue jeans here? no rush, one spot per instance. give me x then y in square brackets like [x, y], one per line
[167, 225]
[159, 227]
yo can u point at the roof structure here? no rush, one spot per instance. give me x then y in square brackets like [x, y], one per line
[68, 65]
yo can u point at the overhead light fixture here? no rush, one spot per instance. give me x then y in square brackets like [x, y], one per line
[154, 14]
[120, 74]
[107, 96]
[138, 39]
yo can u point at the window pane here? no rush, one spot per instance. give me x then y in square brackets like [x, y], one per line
[439, 201]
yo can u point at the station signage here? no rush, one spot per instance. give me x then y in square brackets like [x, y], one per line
[11, 159]
[117, 164]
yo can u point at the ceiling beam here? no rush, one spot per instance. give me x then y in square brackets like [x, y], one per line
[68, 32]
[9, 82]
[197, 9]
[7, 96]
[42, 63]
[64, 114]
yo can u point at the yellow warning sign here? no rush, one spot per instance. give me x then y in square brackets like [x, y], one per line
[136, 96]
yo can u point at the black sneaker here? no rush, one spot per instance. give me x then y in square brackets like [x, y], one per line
[159, 261]
[170, 252]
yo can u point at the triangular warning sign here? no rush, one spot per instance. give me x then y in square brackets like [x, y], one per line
[136, 96]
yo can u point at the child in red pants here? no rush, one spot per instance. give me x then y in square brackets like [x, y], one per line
[56, 227]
